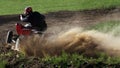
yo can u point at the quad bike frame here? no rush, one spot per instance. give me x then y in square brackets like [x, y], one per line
[21, 31]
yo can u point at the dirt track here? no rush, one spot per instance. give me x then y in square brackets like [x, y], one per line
[58, 21]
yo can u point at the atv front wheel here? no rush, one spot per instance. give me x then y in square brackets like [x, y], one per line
[9, 37]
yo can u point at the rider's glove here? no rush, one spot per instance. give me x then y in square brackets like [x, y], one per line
[21, 17]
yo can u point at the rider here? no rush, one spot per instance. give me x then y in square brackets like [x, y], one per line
[35, 20]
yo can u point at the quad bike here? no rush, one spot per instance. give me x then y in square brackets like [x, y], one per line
[21, 31]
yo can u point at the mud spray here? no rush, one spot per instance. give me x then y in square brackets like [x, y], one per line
[74, 40]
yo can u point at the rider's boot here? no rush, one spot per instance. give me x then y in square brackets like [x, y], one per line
[36, 31]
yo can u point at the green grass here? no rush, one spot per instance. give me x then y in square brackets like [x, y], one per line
[112, 27]
[66, 60]
[2, 64]
[44, 6]
[63, 61]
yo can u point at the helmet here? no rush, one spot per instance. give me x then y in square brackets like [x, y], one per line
[28, 10]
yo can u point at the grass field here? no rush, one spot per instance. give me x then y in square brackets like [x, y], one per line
[65, 60]
[44, 6]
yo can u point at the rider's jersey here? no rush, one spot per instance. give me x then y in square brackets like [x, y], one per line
[36, 19]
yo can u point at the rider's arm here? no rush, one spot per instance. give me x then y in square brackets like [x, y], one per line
[24, 18]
